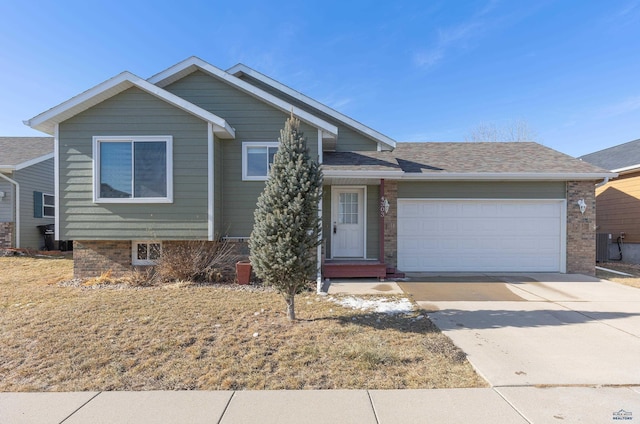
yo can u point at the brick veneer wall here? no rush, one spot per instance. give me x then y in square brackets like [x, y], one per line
[91, 258]
[6, 234]
[581, 234]
[391, 224]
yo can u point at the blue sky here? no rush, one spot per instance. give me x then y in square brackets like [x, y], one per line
[413, 70]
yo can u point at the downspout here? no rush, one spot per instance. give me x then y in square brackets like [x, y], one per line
[604, 182]
[17, 200]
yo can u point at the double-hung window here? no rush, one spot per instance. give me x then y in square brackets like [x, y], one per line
[257, 158]
[133, 169]
[48, 206]
[44, 205]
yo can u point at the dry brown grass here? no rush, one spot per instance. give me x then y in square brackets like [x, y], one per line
[185, 336]
[633, 269]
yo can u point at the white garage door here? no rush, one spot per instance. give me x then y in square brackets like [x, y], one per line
[481, 235]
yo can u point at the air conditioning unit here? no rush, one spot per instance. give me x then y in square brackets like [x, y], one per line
[602, 247]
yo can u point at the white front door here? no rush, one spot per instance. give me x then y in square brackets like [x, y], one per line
[347, 226]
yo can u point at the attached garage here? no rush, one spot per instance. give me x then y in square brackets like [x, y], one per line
[482, 235]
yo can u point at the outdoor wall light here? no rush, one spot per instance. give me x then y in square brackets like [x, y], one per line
[1, 195]
[582, 205]
[384, 206]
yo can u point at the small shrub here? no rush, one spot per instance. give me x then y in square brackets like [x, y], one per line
[197, 261]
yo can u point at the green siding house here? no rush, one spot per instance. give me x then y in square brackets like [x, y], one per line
[183, 155]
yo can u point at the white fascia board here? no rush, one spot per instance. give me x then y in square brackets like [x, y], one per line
[522, 176]
[46, 121]
[627, 169]
[193, 63]
[31, 162]
[243, 69]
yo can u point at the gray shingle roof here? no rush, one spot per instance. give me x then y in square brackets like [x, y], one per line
[17, 150]
[460, 158]
[616, 157]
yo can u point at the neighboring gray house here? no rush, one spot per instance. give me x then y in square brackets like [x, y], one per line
[26, 190]
[143, 164]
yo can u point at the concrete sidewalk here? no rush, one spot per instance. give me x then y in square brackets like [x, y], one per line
[491, 405]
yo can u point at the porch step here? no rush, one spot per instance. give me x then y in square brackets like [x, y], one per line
[354, 270]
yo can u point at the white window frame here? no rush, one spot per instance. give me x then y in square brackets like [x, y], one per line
[45, 205]
[134, 252]
[132, 139]
[246, 145]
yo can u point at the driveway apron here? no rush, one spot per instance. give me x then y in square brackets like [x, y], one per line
[537, 329]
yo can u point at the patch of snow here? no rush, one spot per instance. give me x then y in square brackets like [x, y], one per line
[381, 306]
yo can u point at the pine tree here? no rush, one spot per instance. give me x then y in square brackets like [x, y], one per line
[287, 226]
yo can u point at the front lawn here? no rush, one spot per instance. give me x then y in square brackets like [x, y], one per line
[183, 336]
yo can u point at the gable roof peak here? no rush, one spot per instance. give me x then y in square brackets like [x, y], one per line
[47, 121]
[193, 63]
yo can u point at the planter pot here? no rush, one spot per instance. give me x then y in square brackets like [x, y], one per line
[243, 272]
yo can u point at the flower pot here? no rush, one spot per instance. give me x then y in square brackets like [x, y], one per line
[243, 272]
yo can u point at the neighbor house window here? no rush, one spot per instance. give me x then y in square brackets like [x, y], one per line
[257, 157]
[133, 169]
[146, 252]
[44, 205]
[48, 206]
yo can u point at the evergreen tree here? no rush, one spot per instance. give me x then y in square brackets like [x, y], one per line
[287, 225]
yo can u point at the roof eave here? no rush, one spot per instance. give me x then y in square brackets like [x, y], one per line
[46, 121]
[627, 169]
[511, 176]
[331, 173]
[243, 69]
[33, 161]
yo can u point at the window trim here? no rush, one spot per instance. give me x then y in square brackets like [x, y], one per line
[132, 139]
[246, 145]
[134, 252]
[45, 205]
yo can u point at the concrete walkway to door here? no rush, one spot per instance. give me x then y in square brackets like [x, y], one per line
[537, 329]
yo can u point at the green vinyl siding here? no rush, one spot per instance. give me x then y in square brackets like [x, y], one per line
[253, 120]
[133, 113]
[218, 198]
[36, 178]
[481, 190]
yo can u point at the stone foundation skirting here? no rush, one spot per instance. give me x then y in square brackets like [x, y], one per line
[92, 258]
[6, 234]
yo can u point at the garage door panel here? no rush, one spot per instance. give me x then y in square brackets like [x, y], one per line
[480, 235]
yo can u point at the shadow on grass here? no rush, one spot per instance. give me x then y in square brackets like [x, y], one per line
[415, 322]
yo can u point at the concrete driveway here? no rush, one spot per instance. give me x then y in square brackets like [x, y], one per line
[537, 329]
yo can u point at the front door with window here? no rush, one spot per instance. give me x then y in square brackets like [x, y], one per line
[347, 226]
